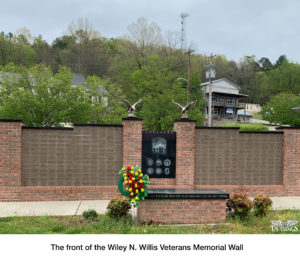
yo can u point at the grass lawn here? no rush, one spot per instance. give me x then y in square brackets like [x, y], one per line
[257, 116]
[106, 225]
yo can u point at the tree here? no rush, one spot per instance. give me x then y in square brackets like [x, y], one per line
[265, 64]
[45, 54]
[144, 34]
[173, 38]
[82, 30]
[106, 104]
[83, 51]
[6, 48]
[156, 83]
[23, 36]
[283, 78]
[143, 39]
[41, 98]
[279, 109]
[63, 42]
[281, 59]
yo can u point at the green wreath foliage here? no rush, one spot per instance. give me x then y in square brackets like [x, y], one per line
[133, 184]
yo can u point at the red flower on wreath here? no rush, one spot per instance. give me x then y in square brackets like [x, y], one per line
[135, 183]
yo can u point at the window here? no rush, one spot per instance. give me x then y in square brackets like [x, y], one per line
[217, 99]
[231, 101]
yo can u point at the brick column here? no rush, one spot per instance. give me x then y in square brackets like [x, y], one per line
[185, 152]
[10, 153]
[132, 141]
[291, 160]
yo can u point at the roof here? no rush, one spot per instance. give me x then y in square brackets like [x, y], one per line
[231, 94]
[78, 79]
[9, 74]
[234, 86]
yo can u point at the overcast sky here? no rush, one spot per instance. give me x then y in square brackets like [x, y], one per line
[233, 28]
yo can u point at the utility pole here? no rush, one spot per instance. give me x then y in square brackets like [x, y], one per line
[210, 74]
[189, 76]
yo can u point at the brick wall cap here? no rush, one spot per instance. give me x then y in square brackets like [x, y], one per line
[185, 120]
[261, 132]
[287, 127]
[47, 128]
[132, 119]
[10, 120]
[218, 128]
[96, 125]
[187, 194]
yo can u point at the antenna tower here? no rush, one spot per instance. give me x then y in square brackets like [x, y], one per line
[183, 31]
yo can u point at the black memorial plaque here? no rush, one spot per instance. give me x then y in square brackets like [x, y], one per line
[159, 154]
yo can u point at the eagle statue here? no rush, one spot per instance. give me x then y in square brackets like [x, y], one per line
[130, 108]
[185, 109]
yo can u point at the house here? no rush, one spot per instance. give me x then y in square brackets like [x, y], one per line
[78, 80]
[225, 101]
[251, 107]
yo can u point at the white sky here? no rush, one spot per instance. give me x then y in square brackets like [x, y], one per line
[234, 28]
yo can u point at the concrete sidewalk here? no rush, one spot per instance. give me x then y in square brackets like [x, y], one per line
[66, 208]
[51, 208]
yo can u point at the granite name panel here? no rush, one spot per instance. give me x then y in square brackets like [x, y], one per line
[159, 154]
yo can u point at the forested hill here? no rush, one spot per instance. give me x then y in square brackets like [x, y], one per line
[143, 63]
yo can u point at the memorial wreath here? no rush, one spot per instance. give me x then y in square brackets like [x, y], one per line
[133, 184]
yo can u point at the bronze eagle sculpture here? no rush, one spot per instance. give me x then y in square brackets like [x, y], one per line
[130, 108]
[185, 109]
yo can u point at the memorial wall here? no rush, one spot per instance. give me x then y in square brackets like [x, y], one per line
[82, 163]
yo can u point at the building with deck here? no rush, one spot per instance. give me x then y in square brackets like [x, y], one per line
[225, 101]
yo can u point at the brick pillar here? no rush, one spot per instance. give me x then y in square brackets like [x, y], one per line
[185, 152]
[291, 160]
[132, 141]
[10, 153]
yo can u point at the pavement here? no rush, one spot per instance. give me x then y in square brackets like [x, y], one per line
[51, 208]
[70, 208]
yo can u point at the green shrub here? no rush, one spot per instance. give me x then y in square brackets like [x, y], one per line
[118, 207]
[262, 204]
[248, 127]
[90, 214]
[239, 205]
